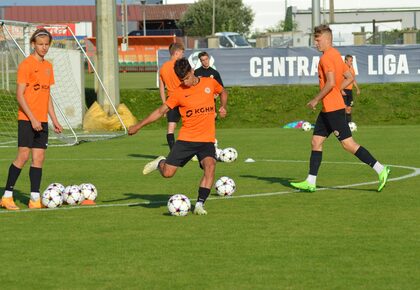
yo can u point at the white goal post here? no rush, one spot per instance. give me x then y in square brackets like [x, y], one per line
[68, 93]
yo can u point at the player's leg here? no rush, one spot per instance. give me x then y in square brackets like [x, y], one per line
[13, 175]
[35, 171]
[173, 116]
[321, 132]
[350, 145]
[25, 142]
[206, 155]
[348, 100]
[35, 176]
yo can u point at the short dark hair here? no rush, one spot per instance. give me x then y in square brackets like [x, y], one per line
[348, 56]
[203, 53]
[40, 32]
[173, 47]
[321, 29]
[182, 68]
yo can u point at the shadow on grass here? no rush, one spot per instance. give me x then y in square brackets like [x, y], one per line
[285, 181]
[150, 200]
[18, 196]
[143, 156]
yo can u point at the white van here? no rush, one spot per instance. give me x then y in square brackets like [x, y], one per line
[232, 40]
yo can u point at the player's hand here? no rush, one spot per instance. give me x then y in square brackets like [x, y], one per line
[222, 112]
[58, 128]
[36, 125]
[358, 92]
[312, 104]
[133, 130]
[343, 93]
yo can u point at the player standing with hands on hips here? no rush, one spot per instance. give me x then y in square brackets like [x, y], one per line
[34, 77]
[197, 135]
[334, 76]
[348, 91]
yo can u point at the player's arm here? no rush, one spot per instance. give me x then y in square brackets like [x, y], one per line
[356, 86]
[20, 90]
[329, 85]
[162, 90]
[348, 79]
[155, 115]
[223, 103]
[53, 116]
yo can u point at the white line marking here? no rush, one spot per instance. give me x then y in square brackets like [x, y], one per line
[416, 172]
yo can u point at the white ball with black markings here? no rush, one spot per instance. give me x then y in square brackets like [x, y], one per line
[306, 126]
[225, 186]
[73, 195]
[179, 205]
[51, 198]
[89, 191]
[228, 155]
[353, 126]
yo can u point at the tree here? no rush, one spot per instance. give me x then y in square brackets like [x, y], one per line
[285, 25]
[230, 15]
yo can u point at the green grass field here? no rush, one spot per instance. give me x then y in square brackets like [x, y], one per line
[267, 236]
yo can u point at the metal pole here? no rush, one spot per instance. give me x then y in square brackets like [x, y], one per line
[213, 28]
[144, 17]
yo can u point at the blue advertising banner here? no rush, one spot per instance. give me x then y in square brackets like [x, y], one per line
[276, 66]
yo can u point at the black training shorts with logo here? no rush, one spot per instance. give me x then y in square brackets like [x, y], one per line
[28, 137]
[332, 122]
[348, 98]
[183, 151]
[173, 115]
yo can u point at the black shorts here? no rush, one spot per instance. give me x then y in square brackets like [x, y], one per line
[332, 122]
[173, 115]
[348, 98]
[183, 151]
[28, 137]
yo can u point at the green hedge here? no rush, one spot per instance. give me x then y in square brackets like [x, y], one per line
[274, 106]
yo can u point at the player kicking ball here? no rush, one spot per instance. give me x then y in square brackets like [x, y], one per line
[195, 100]
[334, 76]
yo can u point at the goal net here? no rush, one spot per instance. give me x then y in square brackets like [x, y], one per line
[82, 118]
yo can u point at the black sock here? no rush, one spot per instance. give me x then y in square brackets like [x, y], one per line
[171, 140]
[203, 193]
[348, 118]
[35, 174]
[365, 156]
[14, 173]
[315, 162]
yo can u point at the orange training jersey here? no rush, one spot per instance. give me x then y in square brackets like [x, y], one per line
[331, 61]
[168, 76]
[38, 76]
[197, 108]
[350, 86]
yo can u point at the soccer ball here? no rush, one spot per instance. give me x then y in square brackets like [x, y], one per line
[228, 155]
[353, 126]
[57, 186]
[73, 195]
[218, 153]
[179, 205]
[225, 186]
[306, 126]
[51, 198]
[89, 191]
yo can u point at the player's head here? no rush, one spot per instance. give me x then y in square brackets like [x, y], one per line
[40, 41]
[322, 37]
[176, 50]
[184, 72]
[348, 59]
[204, 59]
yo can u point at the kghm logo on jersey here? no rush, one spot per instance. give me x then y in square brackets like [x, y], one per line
[200, 111]
[207, 90]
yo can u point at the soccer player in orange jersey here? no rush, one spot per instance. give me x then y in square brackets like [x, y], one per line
[348, 91]
[168, 79]
[34, 78]
[197, 134]
[334, 76]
